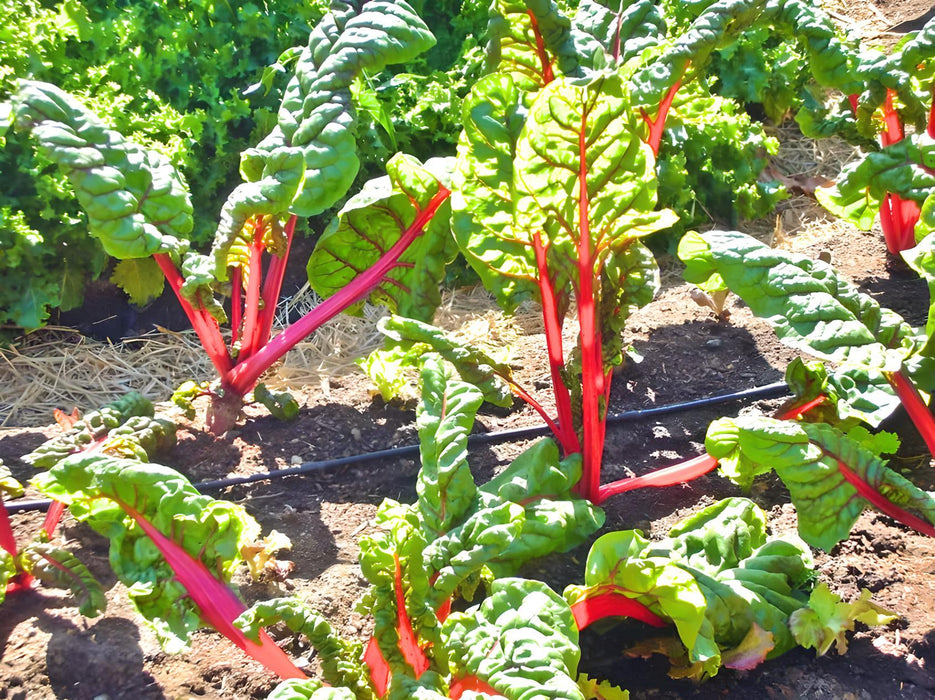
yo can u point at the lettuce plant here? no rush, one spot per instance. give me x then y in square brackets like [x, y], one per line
[139, 207]
[734, 596]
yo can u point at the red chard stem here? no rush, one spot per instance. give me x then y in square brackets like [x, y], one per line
[919, 413]
[612, 604]
[245, 375]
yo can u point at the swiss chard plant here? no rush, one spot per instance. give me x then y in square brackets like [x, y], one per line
[831, 464]
[139, 207]
[41, 560]
[555, 186]
[893, 103]
[521, 641]
[173, 548]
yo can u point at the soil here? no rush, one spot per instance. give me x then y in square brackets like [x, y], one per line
[49, 651]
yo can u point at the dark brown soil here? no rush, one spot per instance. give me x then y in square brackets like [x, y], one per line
[49, 651]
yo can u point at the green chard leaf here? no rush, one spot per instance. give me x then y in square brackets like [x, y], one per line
[903, 168]
[407, 342]
[556, 519]
[280, 404]
[308, 162]
[340, 660]
[444, 418]
[59, 568]
[522, 641]
[820, 466]
[810, 306]
[140, 278]
[136, 202]
[408, 207]
[826, 619]
[625, 32]
[109, 494]
[308, 689]
[531, 42]
[921, 258]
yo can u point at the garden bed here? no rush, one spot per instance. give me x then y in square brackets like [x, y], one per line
[48, 650]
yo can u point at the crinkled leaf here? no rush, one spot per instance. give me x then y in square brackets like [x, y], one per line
[200, 279]
[186, 393]
[408, 340]
[136, 202]
[308, 689]
[444, 418]
[808, 458]
[594, 689]
[104, 492]
[556, 519]
[8, 570]
[531, 42]
[317, 119]
[624, 32]
[522, 641]
[485, 219]
[921, 258]
[903, 168]
[810, 306]
[59, 568]
[602, 196]
[686, 55]
[9, 486]
[91, 430]
[408, 208]
[726, 587]
[827, 619]
[340, 660]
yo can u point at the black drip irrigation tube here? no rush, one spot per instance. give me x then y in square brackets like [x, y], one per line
[768, 391]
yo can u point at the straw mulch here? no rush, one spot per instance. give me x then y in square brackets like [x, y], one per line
[59, 368]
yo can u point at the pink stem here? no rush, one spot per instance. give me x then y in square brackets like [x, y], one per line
[474, 684]
[669, 476]
[7, 539]
[245, 375]
[379, 669]
[919, 413]
[658, 125]
[52, 517]
[592, 370]
[272, 286]
[236, 304]
[613, 604]
[251, 341]
[565, 433]
[547, 74]
[218, 605]
[202, 322]
[883, 504]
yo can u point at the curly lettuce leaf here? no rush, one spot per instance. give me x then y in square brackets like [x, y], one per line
[409, 207]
